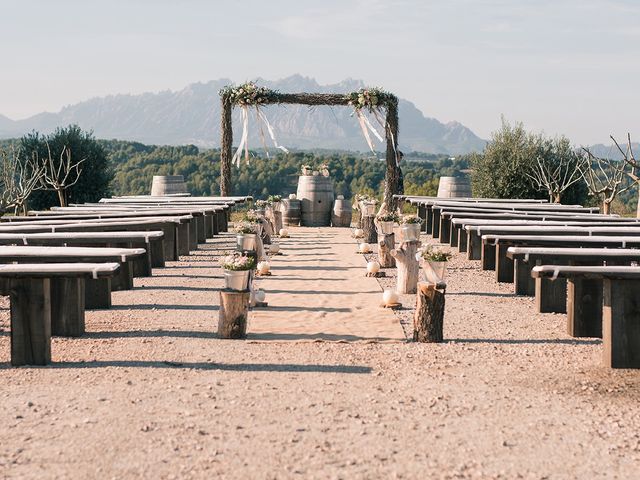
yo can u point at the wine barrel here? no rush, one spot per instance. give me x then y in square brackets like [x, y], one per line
[290, 211]
[168, 185]
[454, 187]
[341, 214]
[315, 193]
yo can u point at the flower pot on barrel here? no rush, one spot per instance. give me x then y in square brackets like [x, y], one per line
[237, 271]
[410, 228]
[434, 263]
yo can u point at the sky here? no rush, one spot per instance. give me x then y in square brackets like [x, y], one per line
[562, 67]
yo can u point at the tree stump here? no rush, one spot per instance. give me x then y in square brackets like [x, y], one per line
[233, 314]
[408, 266]
[386, 243]
[428, 319]
[277, 221]
[260, 252]
[369, 228]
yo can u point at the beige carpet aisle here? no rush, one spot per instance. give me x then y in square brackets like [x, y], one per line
[318, 291]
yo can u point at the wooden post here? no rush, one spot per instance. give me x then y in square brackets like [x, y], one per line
[408, 266]
[260, 252]
[267, 231]
[369, 228]
[584, 307]
[233, 314]
[30, 321]
[277, 221]
[504, 265]
[97, 293]
[524, 283]
[488, 256]
[428, 319]
[386, 243]
[225, 146]
[551, 295]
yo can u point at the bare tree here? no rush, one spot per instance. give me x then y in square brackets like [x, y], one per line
[605, 179]
[61, 175]
[18, 179]
[629, 160]
[557, 169]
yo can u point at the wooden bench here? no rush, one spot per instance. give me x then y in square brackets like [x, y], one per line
[460, 236]
[97, 291]
[141, 266]
[620, 311]
[33, 321]
[157, 250]
[494, 254]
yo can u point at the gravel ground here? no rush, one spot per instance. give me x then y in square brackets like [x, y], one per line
[150, 392]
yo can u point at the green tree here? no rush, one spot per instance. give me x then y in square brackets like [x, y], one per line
[96, 175]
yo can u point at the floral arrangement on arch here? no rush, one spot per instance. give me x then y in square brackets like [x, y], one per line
[248, 94]
[370, 98]
[238, 262]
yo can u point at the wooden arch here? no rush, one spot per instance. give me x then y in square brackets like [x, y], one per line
[391, 134]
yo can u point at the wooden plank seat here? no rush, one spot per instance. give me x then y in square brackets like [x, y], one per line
[97, 291]
[169, 225]
[35, 317]
[460, 236]
[620, 311]
[439, 222]
[494, 252]
[145, 240]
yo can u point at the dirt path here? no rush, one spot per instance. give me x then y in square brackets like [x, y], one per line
[151, 393]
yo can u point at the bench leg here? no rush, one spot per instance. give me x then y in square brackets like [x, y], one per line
[208, 224]
[621, 323]
[97, 294]
[30, 321]
[123, 280]
[435, 223]
[169, 240]
[183, 239]
[422, 213]
[455, 232]
[462, 240]
[193, 235]
[551, 295]
[584, 307]
[429, 220]
[488, 256]
[157, 254]
[474, 243]
[67, 307]
[524, 283]
[200, 224]
[504, 265]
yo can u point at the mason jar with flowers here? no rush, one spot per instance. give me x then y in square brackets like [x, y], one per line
[410, 228]
[386, 222]
[237, 271]
[434, 263]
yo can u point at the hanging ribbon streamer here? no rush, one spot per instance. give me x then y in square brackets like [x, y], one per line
[243, 139]
[385, 126]
[263, 117]
[366, 127]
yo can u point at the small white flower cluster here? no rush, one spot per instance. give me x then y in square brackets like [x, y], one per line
[237, 262]
[410, 219]
[369, 98]
[431, 254]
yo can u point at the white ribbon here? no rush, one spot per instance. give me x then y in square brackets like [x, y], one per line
[243, 139]
[263, 117]
[366, 127]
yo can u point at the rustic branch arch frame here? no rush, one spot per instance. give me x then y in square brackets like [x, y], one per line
[392, 174]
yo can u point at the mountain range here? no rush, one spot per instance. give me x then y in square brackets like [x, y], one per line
[192, 116]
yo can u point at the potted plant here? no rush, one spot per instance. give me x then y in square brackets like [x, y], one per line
[237, 268]
[306, 169]
[275, 200]
[386, 221]
[324, 168]
[410, 227]
[261, 205]
[434, 263]
[246, 236]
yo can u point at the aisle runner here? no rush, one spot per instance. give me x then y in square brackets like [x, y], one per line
[318, 291]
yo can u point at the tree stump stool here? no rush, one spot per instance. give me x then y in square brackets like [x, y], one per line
[233, 314]
[267, 231]
[369, 228]
[386, 243]
[408, 266]
[428, 319]
[277, 221]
